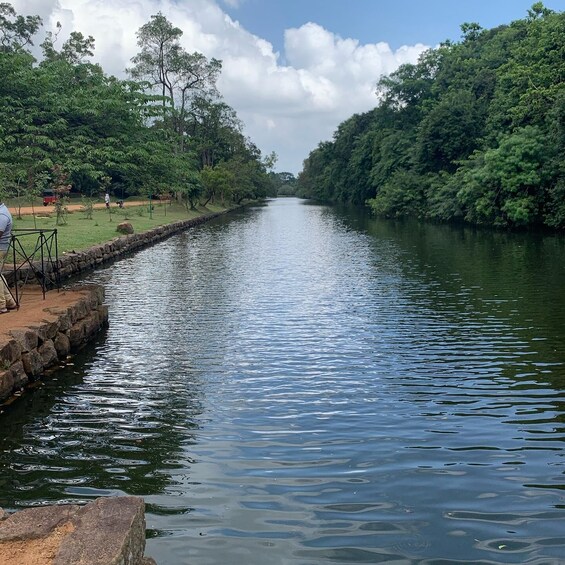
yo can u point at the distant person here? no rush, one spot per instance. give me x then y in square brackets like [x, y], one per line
[107, 200]
[7, 302]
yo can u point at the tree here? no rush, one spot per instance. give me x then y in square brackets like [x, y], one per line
[16, 31]
[474, 130]
[214, 129]
[449, 131]
[74, 51]
[179, 76]
[66, 114]
[284, 183]
[500, 185]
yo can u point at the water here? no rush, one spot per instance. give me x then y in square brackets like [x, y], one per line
[296, 384]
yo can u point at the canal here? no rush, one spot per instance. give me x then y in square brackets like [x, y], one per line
[299, 384]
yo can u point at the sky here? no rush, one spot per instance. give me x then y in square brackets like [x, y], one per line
[292, 69]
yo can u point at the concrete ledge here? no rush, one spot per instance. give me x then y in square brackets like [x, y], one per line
[107, 531]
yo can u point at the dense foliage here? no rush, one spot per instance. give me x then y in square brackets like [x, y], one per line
[165, 130]
[475, 131]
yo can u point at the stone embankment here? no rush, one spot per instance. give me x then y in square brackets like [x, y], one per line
[28, 348]
[107, 531]
[74, 263]
[42, 333]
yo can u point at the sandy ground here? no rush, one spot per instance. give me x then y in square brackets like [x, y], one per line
[32, 307]
[28, 210]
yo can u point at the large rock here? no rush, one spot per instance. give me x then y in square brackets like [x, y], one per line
[62, 345]
[125, 228]
[34, 523]
[6, 383]
[10, 350]
[27, 338]
[33, 363]
[108, 531]
[48, 353]
[20, 377]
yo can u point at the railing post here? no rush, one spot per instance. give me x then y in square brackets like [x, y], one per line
[16, 286]
[42, 243]
[57, 272]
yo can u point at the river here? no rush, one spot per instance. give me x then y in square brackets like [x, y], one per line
[301, 384]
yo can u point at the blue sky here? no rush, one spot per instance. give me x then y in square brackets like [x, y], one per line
[292, 69]
[397, 22]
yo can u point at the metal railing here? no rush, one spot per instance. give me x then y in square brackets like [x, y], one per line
[37, 260]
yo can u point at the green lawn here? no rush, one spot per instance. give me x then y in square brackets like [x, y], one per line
[80, 233]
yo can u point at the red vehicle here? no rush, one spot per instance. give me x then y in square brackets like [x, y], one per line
[49, 197]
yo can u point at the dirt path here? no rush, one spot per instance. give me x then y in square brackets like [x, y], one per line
[28, 210]
[32, 309]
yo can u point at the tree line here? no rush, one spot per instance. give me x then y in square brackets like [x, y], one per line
[65, 123]
[473, 132]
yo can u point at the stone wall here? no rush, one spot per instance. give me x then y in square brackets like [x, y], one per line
[26, 351]
[75, 263]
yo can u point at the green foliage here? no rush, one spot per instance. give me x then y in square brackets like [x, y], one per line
[283, 184]
[16, 31]
[474, 131]
[499, 186]
[449, 131]
[110, 134]
[401, 195]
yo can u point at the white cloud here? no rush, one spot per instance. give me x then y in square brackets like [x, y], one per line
[288, 108]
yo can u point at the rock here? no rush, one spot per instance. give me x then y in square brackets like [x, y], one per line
[27, 338]
[34, 523]
[62, 345]
[48, 353]
[20, 377]
[107, 531]
[33, 363]
[10, 350]
[76, 335]
[6, 383]
[125, 228]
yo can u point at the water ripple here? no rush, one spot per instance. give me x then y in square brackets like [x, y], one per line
[294, 385]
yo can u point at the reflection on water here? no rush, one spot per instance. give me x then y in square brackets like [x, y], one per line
[297, 384]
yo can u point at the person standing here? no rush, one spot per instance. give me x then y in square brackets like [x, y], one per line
[7, 302]
[107, 200]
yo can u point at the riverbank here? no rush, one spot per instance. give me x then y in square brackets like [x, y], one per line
[35, 339]
[42, 333]
[79, 229]
[73, 263]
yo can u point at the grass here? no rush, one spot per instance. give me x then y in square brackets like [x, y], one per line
[80, 233]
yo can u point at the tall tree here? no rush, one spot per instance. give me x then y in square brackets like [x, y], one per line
[178, 75]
